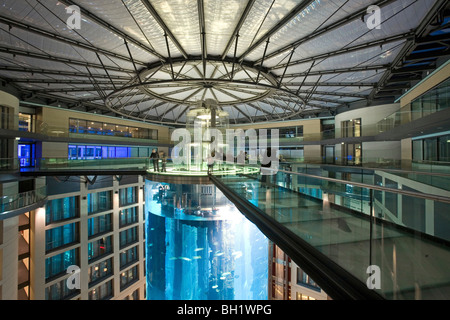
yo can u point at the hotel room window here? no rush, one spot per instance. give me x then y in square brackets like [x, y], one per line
[61, 236]
[58, 264]
[61, 209]
[127, 196]
[100, 201]
[99, 225]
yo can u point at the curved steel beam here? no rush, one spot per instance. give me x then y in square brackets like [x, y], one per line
[246, 84]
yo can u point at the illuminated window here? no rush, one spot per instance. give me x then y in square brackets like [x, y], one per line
[301, 296]
[99, 248]
[100, 271]
[101, 292]
[351, 128]
[25, 122]
[26, 154]
[128, 277]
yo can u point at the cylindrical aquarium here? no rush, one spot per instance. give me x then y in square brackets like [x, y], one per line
[206, 115]
[200, 247]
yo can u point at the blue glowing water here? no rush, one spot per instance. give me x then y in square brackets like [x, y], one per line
[200, 247]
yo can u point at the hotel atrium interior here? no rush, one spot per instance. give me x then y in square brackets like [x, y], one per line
[331, 181]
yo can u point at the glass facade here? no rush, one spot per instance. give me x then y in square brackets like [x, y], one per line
[127, 196]
[99, 248]
[291, 132]
[26, 122]
[128, 277]
[128, 236]
[58, 264]
[99, 201]
[99, 225]
[59, 291]
[61, 236]
[63, 216]
[435, 148]
[436, 99]
[128, 256]
[6, 114]
[102, 292]
[61, 209]
[100, 271]
[91, 152]
[128, 216]
[193, 238]
[109, 129]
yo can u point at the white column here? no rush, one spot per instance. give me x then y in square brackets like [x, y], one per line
[116, 238]
[83, 234]
[10, 258]
[37, 254]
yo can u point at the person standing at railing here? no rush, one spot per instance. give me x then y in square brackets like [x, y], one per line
[211, 162]
[155, 158]
[163, 162]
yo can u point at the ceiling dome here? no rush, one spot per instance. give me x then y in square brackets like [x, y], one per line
[261, 60]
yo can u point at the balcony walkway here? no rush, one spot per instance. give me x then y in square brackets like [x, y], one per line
[332, 242]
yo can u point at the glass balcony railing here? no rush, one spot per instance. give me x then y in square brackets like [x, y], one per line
[21, 200]
[22, 123]
[429, 174]
[426, 174]
[434, 100]
[406, 234]
[9, 164]
[95, 164]
[143, 164]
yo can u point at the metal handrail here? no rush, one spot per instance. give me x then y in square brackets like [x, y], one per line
[332, 277]
[367, 186]
[336, 281]
[22, 200]
[378, 169]
[370, 186]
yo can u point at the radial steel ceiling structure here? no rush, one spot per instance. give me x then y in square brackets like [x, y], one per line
[261, 60]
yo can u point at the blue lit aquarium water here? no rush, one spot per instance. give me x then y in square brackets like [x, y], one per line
[200, 247]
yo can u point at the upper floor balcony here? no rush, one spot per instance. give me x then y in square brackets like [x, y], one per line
[17, 204]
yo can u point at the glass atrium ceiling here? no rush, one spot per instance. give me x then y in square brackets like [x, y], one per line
[259, 59]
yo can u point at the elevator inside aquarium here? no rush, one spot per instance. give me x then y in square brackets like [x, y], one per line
[199, 246]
